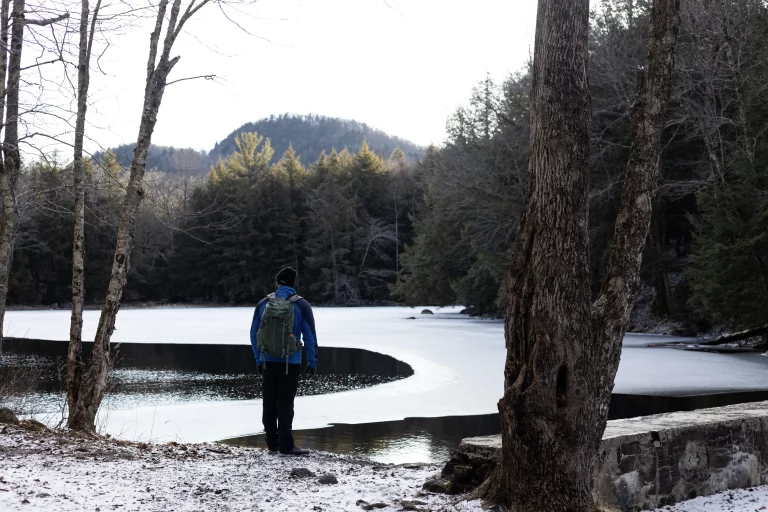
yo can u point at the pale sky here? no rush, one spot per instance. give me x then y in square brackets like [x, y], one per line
[402, 66]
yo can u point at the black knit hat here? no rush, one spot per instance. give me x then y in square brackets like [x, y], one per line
[286, 277]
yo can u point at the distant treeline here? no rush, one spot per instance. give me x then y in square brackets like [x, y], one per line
[343, 223]
[364, 226]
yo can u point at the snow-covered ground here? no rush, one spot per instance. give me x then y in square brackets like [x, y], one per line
[458, 364]
[59, 472]
[739, 500]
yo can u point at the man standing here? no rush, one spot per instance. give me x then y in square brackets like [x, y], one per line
[280, 322]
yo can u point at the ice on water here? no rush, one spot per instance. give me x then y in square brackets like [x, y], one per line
[458, 364]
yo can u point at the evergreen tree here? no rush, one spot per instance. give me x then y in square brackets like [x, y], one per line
[289, 179]
[729, 274]
[437, 257]
[333, 216]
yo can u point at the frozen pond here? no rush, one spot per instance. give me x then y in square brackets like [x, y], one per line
[457, 363]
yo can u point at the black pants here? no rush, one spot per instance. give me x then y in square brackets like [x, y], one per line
[279, 391]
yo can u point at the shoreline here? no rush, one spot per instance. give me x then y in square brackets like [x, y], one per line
[193, 305]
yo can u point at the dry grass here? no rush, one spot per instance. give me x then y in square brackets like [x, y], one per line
[21, 378]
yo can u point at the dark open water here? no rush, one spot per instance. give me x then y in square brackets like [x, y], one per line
[164, 374]
[170, 373]
[433, 439]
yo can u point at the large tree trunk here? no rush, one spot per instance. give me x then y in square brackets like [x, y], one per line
[94, 382]
[74, 356]
[11, 166]
[563, 352]
[546, 461]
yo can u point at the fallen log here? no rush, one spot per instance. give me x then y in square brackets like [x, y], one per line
[736, 336]
[720, 340]
[714, 348]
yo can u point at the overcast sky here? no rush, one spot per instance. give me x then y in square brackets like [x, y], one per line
[402, 66]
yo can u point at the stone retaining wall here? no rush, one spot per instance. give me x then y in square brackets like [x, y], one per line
[652, 461]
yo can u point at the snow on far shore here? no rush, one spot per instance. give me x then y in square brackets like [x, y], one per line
[60, 472]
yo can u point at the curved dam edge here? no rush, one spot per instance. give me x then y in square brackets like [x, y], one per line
[216, 358]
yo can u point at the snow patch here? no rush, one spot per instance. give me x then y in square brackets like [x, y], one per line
[742, 500]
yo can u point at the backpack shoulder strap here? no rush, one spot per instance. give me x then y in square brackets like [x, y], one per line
[293, 299]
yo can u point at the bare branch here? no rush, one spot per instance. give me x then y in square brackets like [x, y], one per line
[39, 64]
[45, 23]
[206, 77]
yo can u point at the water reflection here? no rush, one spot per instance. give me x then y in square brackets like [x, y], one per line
[421, 440]
[412, 440]
[632, 406]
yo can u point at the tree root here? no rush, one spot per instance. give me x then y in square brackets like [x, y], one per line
[490, 491]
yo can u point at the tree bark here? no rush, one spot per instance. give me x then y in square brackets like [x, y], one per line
[74, 356]
[562, 351]
[11, 166]
[545, 457]
[94, 381]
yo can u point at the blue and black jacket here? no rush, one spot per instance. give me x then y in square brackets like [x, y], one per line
[303, 329]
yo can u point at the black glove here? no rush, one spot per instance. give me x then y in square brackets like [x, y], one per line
[260, 369]
[310, 370]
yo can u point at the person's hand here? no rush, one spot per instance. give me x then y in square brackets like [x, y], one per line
[311, 370]
[259, 368]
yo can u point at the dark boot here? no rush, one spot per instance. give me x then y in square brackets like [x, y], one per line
[295, 451]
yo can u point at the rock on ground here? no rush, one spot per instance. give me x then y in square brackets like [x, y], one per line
[301, 473]
[327, 480]
[7, 416]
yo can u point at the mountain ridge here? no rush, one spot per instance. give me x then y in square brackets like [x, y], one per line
[309, 135]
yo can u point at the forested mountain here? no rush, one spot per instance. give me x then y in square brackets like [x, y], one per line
[163, 158]
[311, 135]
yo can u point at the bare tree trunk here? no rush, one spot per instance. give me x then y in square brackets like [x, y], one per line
[563, 352]
[662, 299]
[4, 24]
[74, 356]
[94, 382]
[733, 67]
[9, 171]
[335, 271]
[397, 239]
